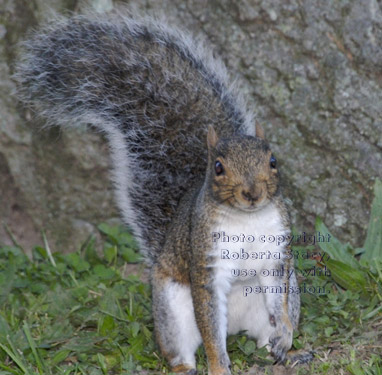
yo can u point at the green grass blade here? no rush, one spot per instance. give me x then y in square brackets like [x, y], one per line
[346, 276]
[371, 314]
[373, 243]
[12, 371]
[15, 357]
[102, 363]
[33, 348]
[334, 248]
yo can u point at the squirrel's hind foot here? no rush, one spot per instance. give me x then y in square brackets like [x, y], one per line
[184, 370]
[300, 356]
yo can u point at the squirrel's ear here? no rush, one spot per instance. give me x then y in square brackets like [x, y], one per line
[259, 131]
[212, 138]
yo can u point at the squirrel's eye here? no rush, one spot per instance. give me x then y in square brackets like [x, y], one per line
[219, 170]
[273, 162]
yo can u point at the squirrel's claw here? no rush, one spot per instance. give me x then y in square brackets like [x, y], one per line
[280, 343]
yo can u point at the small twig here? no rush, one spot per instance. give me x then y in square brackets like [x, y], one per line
[95, 293]
[46, 244]
[12, 236]
[294, 364]
[372, 346]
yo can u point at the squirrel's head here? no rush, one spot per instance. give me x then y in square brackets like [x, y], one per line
[242, 172]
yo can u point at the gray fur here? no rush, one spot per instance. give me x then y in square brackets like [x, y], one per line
[151, 90]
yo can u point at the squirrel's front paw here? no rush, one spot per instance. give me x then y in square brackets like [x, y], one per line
[281, 342]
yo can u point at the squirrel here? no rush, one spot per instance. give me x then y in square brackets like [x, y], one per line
[190, 167]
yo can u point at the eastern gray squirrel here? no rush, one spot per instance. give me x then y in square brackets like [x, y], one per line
[190, 167]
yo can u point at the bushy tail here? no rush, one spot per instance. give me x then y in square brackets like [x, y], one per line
[150, 89]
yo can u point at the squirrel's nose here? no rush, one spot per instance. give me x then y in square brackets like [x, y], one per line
[249, 197]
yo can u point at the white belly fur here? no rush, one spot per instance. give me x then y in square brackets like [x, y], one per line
[250, 312]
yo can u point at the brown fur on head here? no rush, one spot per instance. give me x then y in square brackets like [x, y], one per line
[242, 172]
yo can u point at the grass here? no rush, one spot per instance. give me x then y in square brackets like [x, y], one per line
[86, 313]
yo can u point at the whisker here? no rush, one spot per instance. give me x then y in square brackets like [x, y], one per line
[226, 199]
[230, 185]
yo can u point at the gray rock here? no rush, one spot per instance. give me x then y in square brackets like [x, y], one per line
[310, 70]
